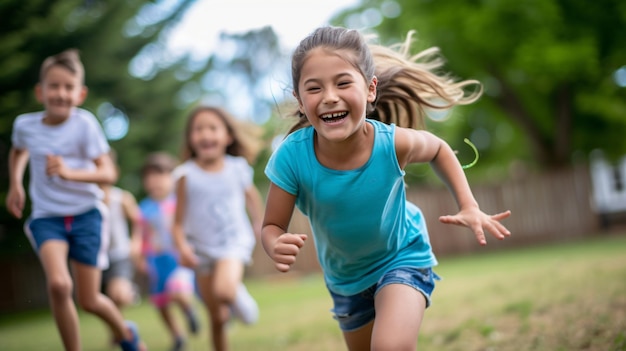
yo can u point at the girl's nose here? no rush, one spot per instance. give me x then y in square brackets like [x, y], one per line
[330, 96]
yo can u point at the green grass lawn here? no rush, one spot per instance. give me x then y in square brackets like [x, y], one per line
[560, 297]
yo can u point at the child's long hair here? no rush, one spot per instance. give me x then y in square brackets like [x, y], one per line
[246, 136]
[406, 83]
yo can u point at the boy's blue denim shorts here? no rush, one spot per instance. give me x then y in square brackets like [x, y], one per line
[83, 234]
[354, 312]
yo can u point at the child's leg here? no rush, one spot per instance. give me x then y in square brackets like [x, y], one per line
[117, 282]
[53, 256]
[359, 339]
[93, 301]
[218, 313]
[170, 322]
[228, 274]
[181, 291]
[120, 291]
[399, 312]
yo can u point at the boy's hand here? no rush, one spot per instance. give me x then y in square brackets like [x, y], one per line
[286, 248]
[187, 257]
[478, 222]
[15, 201]
[56, 166]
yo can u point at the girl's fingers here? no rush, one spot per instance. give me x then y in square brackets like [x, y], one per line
[281, 267]
[502, 215]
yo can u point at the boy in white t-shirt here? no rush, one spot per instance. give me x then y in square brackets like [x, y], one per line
[67, 155]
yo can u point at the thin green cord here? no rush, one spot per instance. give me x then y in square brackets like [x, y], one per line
[471, 164]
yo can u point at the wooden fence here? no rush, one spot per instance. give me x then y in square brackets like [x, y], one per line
[546, 208]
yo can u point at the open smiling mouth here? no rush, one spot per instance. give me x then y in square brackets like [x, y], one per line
[333, 117]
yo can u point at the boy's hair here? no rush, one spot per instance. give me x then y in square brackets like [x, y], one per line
[68, 59]
[159, 162]
[406, 84]
[246, 136]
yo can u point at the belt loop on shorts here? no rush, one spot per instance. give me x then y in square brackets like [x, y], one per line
[68, 223]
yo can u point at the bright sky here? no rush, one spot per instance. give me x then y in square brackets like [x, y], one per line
[292, 20]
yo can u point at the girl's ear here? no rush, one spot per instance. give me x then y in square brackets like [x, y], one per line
[371, 90]
[300, 107]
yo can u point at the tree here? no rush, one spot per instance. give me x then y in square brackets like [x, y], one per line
[547, 67]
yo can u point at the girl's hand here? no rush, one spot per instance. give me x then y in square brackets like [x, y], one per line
[187, 257]
[285, 249]
[478, 222]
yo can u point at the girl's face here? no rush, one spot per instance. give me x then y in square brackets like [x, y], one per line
[59, 92]
[209, 136]
[333, 95]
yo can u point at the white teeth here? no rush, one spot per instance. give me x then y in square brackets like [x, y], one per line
[334, 115]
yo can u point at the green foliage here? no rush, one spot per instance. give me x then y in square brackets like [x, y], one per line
[547, 67]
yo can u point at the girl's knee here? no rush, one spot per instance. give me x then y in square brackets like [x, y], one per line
[390, 343]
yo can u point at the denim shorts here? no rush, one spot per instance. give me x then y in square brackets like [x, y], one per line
[354, 312]
[83, 234]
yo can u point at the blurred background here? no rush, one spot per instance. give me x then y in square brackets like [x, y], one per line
[550, 128]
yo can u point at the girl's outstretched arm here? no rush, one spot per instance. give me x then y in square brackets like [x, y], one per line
[187, 256]
[415, 146]
[280, 246]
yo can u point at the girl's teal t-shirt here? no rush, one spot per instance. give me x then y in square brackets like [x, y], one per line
[362, 224]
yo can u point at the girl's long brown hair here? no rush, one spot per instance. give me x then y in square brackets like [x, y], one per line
[246, 136]
[406, 83]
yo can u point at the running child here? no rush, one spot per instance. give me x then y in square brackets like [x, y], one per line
[343, 166]
[67, 155]
[124, 223]
[170, 283]
[218, 215]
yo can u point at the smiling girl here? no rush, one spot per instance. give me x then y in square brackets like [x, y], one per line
[343, 166]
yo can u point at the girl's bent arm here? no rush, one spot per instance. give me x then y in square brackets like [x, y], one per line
[254, 204]
[177, 230]
[280, 246]
[187, 256]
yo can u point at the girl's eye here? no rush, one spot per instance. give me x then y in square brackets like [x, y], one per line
[312, 89]
[343, 84]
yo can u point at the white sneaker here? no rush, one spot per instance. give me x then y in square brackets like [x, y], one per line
[245, 307]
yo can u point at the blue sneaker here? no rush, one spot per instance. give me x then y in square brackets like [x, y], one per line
[134, 344]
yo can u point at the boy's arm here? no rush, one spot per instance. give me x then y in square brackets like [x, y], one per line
[18, 159]
[103, 174]
[254, 205]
